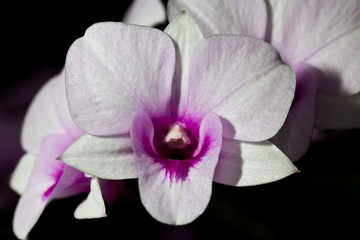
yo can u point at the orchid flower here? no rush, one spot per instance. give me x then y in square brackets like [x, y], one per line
[317, 38]
[177, 111]
[47, 131]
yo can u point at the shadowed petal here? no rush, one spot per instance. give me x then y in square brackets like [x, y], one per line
[334, 112]
[116, 70]
[46, 174]
[72, 182]
[104, 157]
[93, 206]
[294, 137]
[246, 164]
[166, 199]
[145, 12]
[315, 32]
[244, 81]
[186, 34]
[340, 64]
[239, 17]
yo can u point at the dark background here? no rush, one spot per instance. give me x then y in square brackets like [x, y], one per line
[322, 201]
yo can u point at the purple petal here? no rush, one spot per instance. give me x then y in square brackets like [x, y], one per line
[72, 182]
[240, 17]
[104, 157]
[315, 32]
[244, 81]
[115, 71]
[146, 13]
[247, 164]
[45, 176]
[172, 200]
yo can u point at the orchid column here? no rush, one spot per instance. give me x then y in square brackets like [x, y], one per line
[177, 111]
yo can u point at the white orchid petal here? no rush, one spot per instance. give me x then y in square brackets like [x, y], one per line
[185, 32]
[22, 173]
[104, 157]
[324, 34]
[93, 206]
[239, 17]
[42, 119]
[145, 12]
[247, 164]
[116, 70]
[244, 81]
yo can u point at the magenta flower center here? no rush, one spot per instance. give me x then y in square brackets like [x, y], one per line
[177, 137]
[175, 142]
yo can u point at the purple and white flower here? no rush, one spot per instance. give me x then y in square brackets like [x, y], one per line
[39, 178]
[317, 38]
[177, 111]
[48, 130]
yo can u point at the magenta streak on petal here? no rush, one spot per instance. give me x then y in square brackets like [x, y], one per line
[46, 194]
[57, 176]
[175, 169]
[178, 170]
[176, 162]
[148, 143]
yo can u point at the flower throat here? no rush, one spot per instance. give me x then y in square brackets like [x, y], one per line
[177, 144]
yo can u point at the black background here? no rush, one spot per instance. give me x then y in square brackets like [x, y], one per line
[322, 201]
